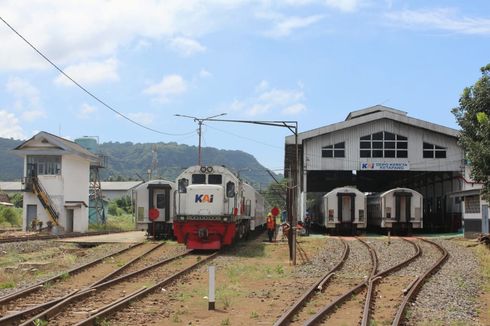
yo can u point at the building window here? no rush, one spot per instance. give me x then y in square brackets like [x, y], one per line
[336, 150]
[383, 144]
[433, 151]
[472, 204]
[45, 164]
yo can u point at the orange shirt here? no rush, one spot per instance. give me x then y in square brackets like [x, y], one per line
[271, 223]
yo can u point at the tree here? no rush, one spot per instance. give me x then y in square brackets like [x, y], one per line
[17, 199]
[472, 116]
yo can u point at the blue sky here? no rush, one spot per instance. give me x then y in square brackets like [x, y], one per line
[303, 60]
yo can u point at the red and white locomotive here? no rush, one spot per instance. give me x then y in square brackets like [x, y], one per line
[213, 207]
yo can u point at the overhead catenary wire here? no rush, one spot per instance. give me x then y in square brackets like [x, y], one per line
[86, 90]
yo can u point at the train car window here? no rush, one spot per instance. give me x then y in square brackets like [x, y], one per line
[215, 179]
[160, 200]
[198, 179]
[230, 189]
[183, 183]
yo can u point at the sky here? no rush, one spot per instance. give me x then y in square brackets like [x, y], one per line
[293, 60]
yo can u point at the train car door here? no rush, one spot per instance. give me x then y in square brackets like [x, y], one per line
[346, 209]
[403, 204]
[159, 197]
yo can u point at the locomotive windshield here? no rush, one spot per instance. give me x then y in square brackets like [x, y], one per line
[215, 179]
[198, 179]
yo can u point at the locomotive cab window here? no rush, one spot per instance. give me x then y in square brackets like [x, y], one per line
[230, 189]
[183, 183]
[198, 179]
[215, 179]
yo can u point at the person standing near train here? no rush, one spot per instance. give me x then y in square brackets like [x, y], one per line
[271, 226]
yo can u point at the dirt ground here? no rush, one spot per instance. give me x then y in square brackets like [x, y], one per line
[255, 282]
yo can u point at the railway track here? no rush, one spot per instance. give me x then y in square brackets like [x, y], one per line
[379, 290]
[342, 277]
[395, 287]
[31, 300]
[51, 237]
[89, 305]
[417, 284]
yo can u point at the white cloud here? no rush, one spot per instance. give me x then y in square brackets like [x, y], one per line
[22, 89]
[27, 99]
[170, 85]
[70, 31]
[281, 96]
[90, 73]
[294, 109]
[186, 46]
[285, 25]
[205, 74]
[9, 126]
[86, 111]
[344, 5]
[271, 100]
[441, 18]
[32, 115]
[142, 117]
[262, 86]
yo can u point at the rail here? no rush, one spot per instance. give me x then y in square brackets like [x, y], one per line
[418, 283]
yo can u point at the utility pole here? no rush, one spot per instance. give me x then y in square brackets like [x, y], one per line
[294, 192]
[199, 130]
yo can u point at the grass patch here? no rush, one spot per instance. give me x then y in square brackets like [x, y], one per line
[7, 285]
[483, 254]
[122, 222]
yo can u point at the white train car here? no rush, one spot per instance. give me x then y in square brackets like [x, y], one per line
[155, 197]
[397, 209]
[214, 208]
[344, 210]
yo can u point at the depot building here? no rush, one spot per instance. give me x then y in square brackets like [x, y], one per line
[377, 149]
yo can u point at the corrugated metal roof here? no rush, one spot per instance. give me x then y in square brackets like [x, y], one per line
[11, 185]
[119, 185]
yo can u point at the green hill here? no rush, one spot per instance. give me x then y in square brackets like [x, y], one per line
[128, 161]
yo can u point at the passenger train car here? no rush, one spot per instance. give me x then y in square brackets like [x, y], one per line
[214, 207]
[398, 209]
[155, 198]
[344, 210]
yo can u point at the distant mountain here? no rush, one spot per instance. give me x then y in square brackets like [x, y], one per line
[128, 161]
[11, 166]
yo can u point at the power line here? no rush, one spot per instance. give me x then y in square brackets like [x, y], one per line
[87, 91]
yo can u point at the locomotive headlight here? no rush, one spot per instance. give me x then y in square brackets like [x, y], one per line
[225, 219]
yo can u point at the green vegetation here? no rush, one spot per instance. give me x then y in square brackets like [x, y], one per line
[123, 222]
[225, 322]
[7, 285]
[40, 322]
[128, 160]
[10, 217]
[473, 116]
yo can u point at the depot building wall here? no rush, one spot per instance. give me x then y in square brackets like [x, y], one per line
[434, 178]
[312, 148]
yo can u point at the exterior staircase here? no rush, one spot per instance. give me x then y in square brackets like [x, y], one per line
[45, 200]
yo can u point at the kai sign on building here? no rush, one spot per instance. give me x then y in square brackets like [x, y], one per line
[385, 166]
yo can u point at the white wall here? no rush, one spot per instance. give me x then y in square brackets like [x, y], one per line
[351, 136]
[71, 185]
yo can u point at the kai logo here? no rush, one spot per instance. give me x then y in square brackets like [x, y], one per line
[204, 198]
